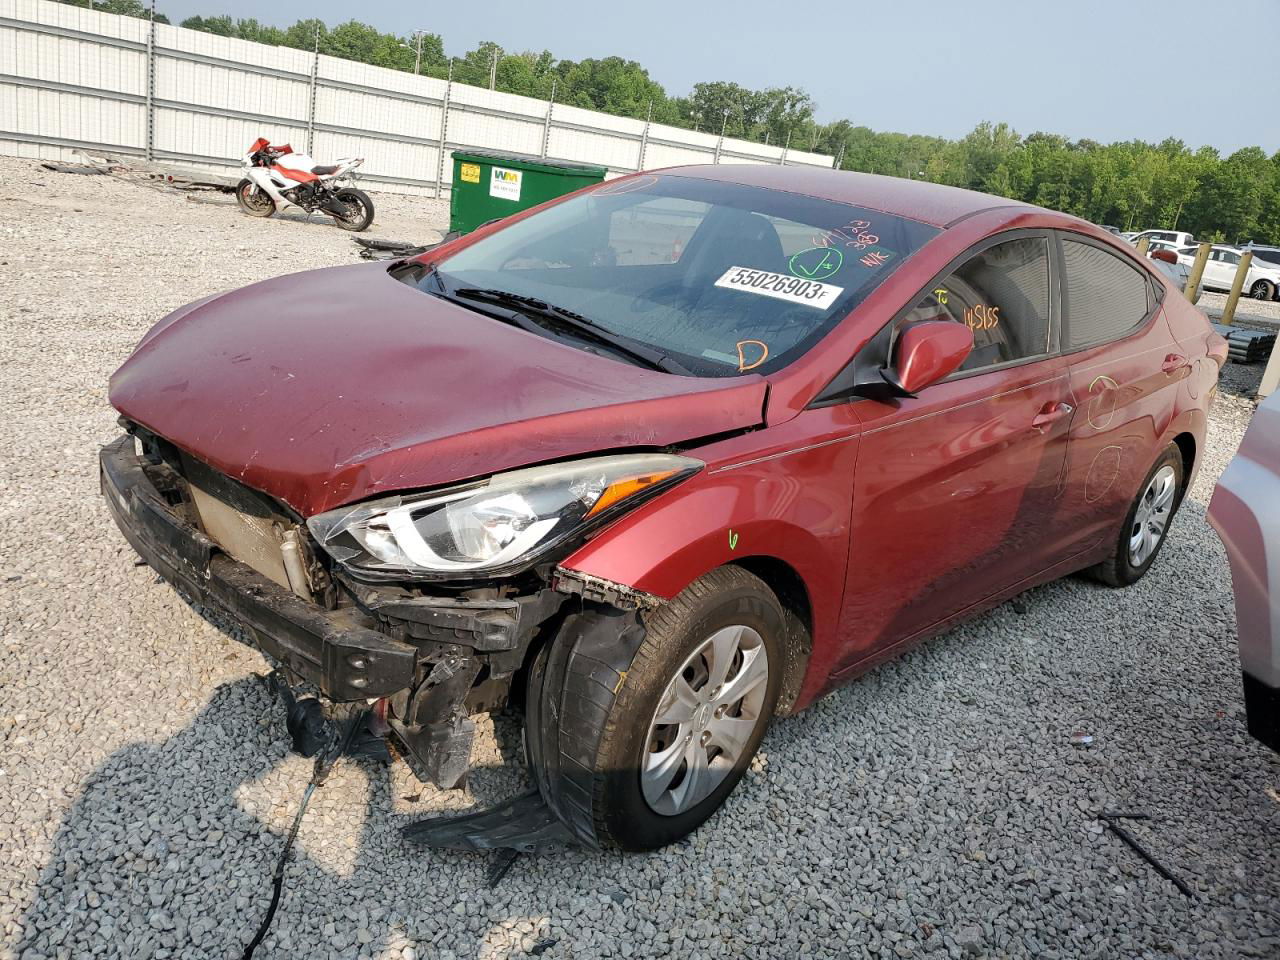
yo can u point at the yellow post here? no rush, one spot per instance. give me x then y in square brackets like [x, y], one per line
[1142, 246]
[1242, 271]
[1192, 289]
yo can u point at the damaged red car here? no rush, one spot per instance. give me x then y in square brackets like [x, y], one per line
[654, 464]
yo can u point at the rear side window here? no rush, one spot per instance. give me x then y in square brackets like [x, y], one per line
[1105, 297]
[1002, 295]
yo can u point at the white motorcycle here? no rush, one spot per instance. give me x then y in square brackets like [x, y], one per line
[276, 178]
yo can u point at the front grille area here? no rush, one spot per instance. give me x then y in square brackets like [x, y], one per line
[249, 526]
[238, 522]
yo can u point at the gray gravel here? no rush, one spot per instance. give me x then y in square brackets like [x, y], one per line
[1249, 312]
[934, 808]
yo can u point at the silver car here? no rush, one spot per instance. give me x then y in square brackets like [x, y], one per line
[1245, 510]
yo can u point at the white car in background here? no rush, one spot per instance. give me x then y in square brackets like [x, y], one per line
[1261, 283]
[1179, 238]
[1263, 252]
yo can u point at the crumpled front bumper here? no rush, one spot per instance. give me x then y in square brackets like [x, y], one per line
[345, 660]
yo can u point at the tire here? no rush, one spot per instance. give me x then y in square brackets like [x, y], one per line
[610, 752]
[1262, 290]
[362, 209]
[253, 200]
[1126, 565]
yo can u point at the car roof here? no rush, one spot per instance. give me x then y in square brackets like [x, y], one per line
[920, 200]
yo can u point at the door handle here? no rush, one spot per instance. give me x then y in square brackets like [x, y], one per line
[1051, 413]
[1173, 363]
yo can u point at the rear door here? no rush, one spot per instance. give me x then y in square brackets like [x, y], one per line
[1219, 271]
[955, 489]
[1124, 367]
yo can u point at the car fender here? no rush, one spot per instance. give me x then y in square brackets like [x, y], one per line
[1189, 420]
[792, 507]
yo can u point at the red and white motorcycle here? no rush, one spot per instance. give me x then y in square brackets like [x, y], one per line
[276, 178]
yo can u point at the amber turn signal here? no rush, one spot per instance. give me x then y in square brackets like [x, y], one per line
[621, 489]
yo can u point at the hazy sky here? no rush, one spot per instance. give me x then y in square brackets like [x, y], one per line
[1112, 70]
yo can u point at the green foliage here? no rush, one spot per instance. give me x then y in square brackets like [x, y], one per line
[613, 85]
[1133, 185]
[126, 8]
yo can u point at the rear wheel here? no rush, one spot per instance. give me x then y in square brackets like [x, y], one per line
[1146, 525]
[359, 207]
[253, 200]
[688, 714]
[1262, 290]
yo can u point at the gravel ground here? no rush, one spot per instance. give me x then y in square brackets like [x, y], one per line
[935, 807]
[1249, 312]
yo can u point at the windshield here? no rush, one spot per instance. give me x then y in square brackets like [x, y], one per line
[718, 277]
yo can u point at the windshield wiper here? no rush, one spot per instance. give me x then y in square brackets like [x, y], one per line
[588, 329]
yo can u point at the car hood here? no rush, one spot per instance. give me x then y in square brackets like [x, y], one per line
[325, 387]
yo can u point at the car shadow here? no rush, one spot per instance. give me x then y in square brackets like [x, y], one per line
[159, 827]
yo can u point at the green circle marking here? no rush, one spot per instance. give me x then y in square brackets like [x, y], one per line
[815, 263]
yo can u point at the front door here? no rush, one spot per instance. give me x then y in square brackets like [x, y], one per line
[956, 490]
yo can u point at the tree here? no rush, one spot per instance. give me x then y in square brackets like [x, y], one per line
[222, 26]
[125, 8]
[256, 32]
[302, 35]
[474, 66]
[741, 112]
[613, 85]
[529, 74]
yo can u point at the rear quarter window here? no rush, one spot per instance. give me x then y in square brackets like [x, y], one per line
[1105, 297]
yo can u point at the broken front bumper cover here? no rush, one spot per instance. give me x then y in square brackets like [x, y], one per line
[325, 647]
[348, 662]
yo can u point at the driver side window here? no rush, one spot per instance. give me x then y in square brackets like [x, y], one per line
[1002, 295]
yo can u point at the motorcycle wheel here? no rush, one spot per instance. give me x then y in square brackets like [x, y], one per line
[253, 200]
[360, 207]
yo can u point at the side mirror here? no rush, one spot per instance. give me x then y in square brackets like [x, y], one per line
[926, 352]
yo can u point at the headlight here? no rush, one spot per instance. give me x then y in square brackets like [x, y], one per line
[506, 521]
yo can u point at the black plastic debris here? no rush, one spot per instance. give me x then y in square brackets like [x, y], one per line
[1109, 817]
[337, 743]
[523, 823]
[1247, 346]
[498, 867]
[80, 168]
[371, 248]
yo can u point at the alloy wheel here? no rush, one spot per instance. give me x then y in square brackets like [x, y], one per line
[704, 720]
[1151, 519]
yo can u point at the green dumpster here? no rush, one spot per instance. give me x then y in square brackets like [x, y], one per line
[487, 186]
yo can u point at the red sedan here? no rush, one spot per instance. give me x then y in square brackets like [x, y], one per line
[654, 464]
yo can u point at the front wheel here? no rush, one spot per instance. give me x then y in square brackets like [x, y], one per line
[1262, 290]
[253, 200]
[359, 210]
[688, 713]
[1146, 525]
